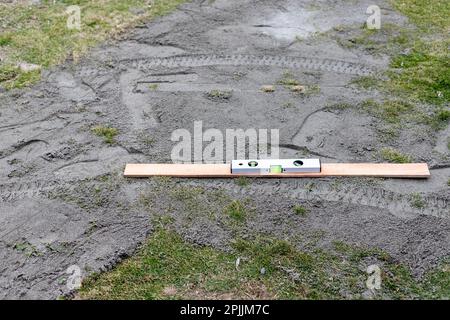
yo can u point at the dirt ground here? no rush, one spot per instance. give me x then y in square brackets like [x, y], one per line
[63, 201]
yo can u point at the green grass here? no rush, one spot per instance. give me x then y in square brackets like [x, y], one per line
[425, 71]
[91, 194]
[366, 82]
[107, 133]
[38, 34]
[5, 39]
[27, 249]
[153, 86]
[289, 82]
[443, 115]
[219, 95]
[242, 181]
[399, 114]
[428, 15]
[416, 201]
[300, 210]
[394, 156]
[166, 267]
[420, 65]
[391, 111]
[439, 119]
[237, 211]
[424, 74]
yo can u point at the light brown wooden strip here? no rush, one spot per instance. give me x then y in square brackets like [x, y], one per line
[388, 170]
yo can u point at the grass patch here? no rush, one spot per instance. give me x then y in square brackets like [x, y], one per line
[27, 249]
[153, 86]
[397, 115]
[13, 77]
[394, 156]
[190, 204]
[429, 16]
[300, 210]
[90, 194]
[166, 267]
[425, 70]
[242, 181]
[5, 39]
[38, 34]
[391, 111]
[107, 133]
[374, 41]
[420, 66]
[416, 201]
[289, 82]
[236, 210]
[366, 82]
[439, 119]
[424, 74]
[443, 115]
[219, 95]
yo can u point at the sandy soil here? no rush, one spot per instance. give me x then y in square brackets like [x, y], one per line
[63, 201]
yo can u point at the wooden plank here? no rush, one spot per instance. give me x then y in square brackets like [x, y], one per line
[388, 170]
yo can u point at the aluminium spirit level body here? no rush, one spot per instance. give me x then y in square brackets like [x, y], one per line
[265, 166]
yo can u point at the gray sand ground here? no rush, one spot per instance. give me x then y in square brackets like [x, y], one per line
[63, 201]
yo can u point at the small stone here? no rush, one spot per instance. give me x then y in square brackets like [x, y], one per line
[263, 271]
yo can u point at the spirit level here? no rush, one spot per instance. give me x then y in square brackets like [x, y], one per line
[274, 166]
[281, 168]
